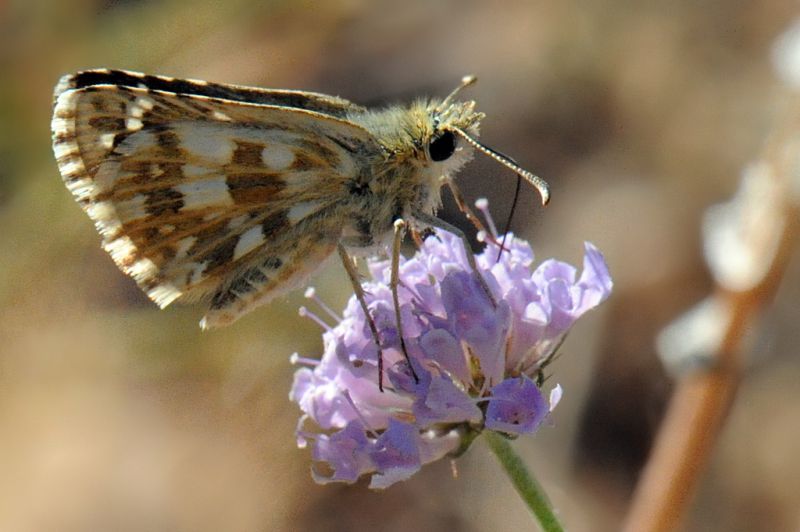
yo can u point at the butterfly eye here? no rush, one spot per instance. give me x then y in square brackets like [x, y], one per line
[443, 146]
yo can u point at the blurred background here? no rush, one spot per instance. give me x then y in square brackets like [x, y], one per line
[118, 416]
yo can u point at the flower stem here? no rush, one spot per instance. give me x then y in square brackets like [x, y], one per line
[525, 483]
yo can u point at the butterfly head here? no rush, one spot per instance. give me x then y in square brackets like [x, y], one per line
[455, 122]
[449, 121]
[438, 136]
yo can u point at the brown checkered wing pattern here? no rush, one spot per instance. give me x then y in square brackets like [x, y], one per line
[200, 194]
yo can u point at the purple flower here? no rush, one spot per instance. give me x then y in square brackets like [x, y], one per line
[516, 407]
[479, 360]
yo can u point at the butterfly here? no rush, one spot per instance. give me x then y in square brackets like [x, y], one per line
[233, 195]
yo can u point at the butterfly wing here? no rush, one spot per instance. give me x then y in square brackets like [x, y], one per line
[309, 101]
[199, 197]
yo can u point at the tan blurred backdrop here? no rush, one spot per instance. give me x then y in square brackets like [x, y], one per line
[118, 416]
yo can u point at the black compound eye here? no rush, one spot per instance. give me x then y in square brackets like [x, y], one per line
[443, 146]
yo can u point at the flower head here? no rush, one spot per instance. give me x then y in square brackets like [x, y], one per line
[478, 360]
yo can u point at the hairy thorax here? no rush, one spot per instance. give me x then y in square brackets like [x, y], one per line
[400, 178]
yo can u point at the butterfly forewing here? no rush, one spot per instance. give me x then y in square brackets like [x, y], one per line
[199, 196]
[310, 101]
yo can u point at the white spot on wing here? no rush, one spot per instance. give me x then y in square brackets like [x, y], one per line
[219, 115]
[101, 211]
[277, 156]
[144, 103]
[196, 274]
[183, 246]
[233, 223]
[206, 142]
[301, 210]
[107, 140]
[133, 124]
[250, 239]
[206, 193]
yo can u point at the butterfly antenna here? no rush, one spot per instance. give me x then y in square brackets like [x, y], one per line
[540, 184]
[466, 81]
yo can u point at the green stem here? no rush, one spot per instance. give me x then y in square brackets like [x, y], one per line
[525, 483]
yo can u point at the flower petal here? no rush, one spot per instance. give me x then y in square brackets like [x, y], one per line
[395, 455]
[516, 407]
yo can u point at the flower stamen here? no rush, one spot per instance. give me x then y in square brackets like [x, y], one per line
[311, 293]
[296, 360]
[482, 204]
[305, 313]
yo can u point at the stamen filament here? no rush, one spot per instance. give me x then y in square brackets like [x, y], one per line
[482, 204]
[305, 313]
[295, 359]
[311, 293]
[359, 414]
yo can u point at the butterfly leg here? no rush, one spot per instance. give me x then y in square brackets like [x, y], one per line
[400, 226]
[470, 214]
[420, 236]
[433, 221]
[352, 273]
